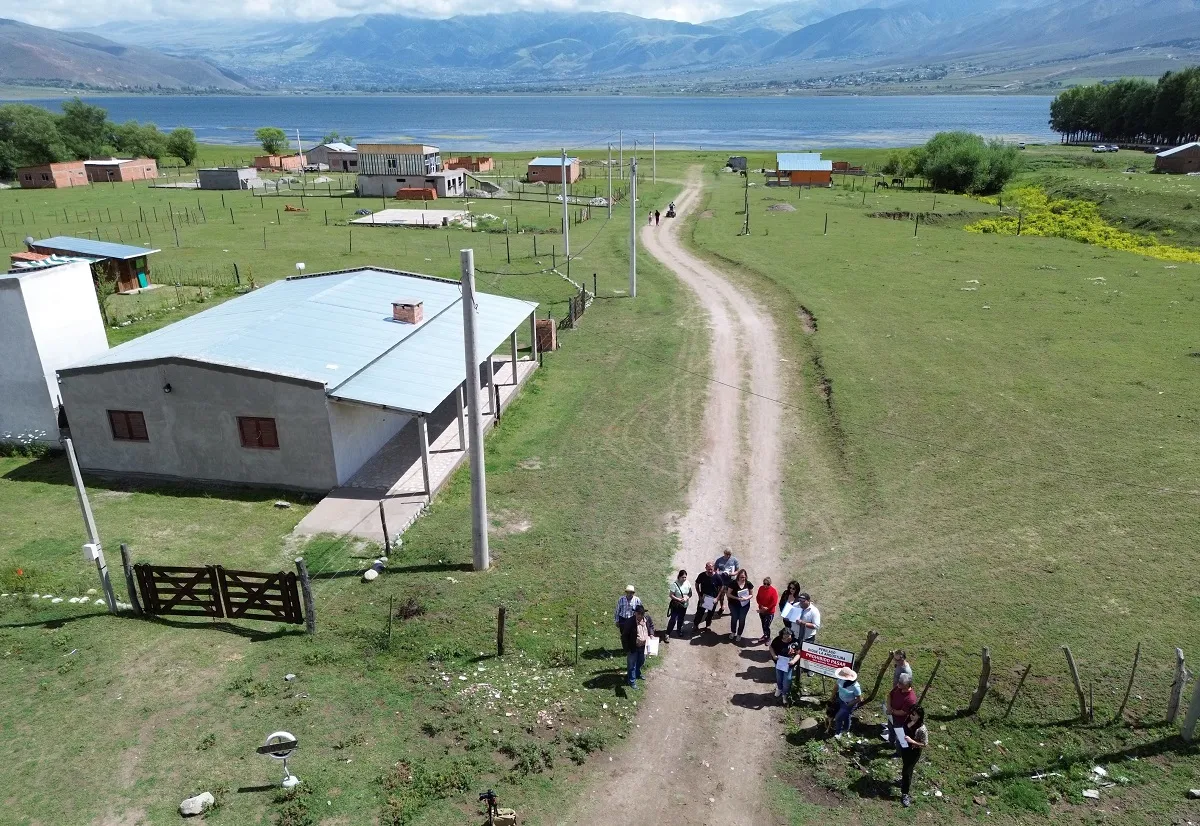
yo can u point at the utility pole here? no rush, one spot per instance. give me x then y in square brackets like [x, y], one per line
[746, 226]
[93, 549]
[610, 179]
[653, 157]
[621, 149]
[633, 225]
[479, 520]
[566, 219]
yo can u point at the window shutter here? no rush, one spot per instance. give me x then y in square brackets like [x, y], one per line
[268, 436]
[120, 427]
[137, 427]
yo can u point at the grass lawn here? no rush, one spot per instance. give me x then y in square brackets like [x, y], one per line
[1008, 460]
[582, 473]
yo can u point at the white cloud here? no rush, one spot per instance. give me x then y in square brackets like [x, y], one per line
[66, 14]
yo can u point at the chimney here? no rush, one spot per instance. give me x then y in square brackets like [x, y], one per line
[408, 311]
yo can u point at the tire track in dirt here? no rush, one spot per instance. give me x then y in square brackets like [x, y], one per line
[708, 727]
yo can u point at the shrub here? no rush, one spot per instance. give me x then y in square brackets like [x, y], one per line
[966, 163]
[1026, 796]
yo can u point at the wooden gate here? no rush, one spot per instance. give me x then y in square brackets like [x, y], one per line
[251, 595]
[168, 590]
[212, 591]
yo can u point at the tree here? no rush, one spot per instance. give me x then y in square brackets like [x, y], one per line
[85, 129]
[182, 144]
[963, 162]
[139, 140]
[273, 139]
[28, 136]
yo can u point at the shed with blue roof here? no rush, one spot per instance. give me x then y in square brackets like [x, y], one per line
[802, 169]
[549, 170]
[294, 385]
[124, 266]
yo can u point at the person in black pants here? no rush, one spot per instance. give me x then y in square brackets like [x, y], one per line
[916, 738]
[708, 584]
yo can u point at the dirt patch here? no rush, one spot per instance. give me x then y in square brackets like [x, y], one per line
[808, 321]
[113, 494]
[532, 463]
[708, 213]
[812, 791]
[508, 523]
[781, 208]
[130, 817]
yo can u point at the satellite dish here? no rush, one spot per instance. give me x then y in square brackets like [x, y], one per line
[29, 241]
[279, 746]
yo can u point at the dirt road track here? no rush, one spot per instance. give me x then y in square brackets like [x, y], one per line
[708, 726]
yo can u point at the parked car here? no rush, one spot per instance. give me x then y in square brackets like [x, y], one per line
[362, 212]
[1100, 148]
[1020, 146]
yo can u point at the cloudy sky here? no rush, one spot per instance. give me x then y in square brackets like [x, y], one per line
[85, 13]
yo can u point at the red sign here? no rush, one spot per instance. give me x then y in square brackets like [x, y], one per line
[820, 659]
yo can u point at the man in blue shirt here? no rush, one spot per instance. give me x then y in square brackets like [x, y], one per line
[626, 605]
[727, 568]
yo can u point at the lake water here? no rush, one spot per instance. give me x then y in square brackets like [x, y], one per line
[496, 123]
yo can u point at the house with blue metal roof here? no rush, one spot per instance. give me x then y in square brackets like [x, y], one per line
[125, 266]
[295, 385]
[549, 170]
[801, 169]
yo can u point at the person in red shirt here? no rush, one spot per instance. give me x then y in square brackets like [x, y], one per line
[900, 702]
[768, 599]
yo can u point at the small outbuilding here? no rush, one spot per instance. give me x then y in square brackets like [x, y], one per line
[124, 265]
[447, 183]
[549, 170]
[121, 169]
[337, 156]
[1180, 160]
[295, 385]
[49, 319]
[53, 175]
[227, 177]
[800, 169]
[280, 163]
[481, 163]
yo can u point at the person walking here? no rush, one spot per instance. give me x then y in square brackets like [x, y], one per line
[727, 568]
[650, 219]
[707, 587]
[636, 631]
[626, 605]
[849, 699]
[916, 739]
[767, 598]
[739, 604]
[901, 700]
[786, 654]
[679, 594]
[657, 216]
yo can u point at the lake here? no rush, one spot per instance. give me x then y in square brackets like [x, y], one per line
[498, 122]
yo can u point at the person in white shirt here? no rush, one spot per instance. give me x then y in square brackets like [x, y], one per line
[809, 621]
[679, 594]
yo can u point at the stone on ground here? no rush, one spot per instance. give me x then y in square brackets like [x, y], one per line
[196, 805]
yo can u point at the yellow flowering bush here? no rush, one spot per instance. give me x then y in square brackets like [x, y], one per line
[1077, 220]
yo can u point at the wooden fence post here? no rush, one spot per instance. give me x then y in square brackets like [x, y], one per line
[872, 635]
[387, 540]
[1020, 683]
[1137, 655]
[310, 618]
[932, 674]
[130, 585]
[500, 631]
[1177, 687]
[1083, 709]
[576, 639]
[879, 679]
[981, 690]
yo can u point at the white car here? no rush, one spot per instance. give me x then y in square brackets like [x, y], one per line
[1100, 148]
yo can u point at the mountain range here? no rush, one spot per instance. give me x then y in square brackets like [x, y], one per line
[799, 40]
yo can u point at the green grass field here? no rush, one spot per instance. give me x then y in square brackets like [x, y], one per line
[1006, 459]
[1009, 461]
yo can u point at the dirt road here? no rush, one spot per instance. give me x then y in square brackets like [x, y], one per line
[709, 727]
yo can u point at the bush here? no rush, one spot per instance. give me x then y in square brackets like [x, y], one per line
[1024, 795]
[965, 163]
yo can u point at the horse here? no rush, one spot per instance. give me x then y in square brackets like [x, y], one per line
[898, 182]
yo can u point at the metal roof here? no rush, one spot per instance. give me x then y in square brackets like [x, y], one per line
[802, 162]
[109, 161]
[338, 146]
[1191, 145]
[551, 161]
[93, 249]
[337, 329]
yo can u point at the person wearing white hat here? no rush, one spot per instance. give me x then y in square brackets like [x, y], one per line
[626, 605]
[849, 699]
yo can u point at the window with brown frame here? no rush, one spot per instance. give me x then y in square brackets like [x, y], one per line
[258, 432]
[128, 425]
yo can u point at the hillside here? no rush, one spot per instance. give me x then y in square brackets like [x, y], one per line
[836, 44]
[29, 54]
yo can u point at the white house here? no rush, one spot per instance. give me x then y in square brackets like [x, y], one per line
[49, 319]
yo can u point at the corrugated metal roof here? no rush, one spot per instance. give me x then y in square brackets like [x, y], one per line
[337, 329]
[802, 162]
[1191, 145]
[93, 249]
[337, 146]
[551, 161]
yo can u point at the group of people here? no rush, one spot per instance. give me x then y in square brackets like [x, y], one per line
[726, 586]
[655, 217]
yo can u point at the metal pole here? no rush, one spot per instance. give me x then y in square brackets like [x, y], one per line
[609, 180]
[423, 432]
[633, 222]
[621, 151]
[653, 158]
[462, 420]
[566, 220]
[89, 522]
[479, 526]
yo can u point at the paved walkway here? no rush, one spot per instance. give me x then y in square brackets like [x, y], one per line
[393, 475]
